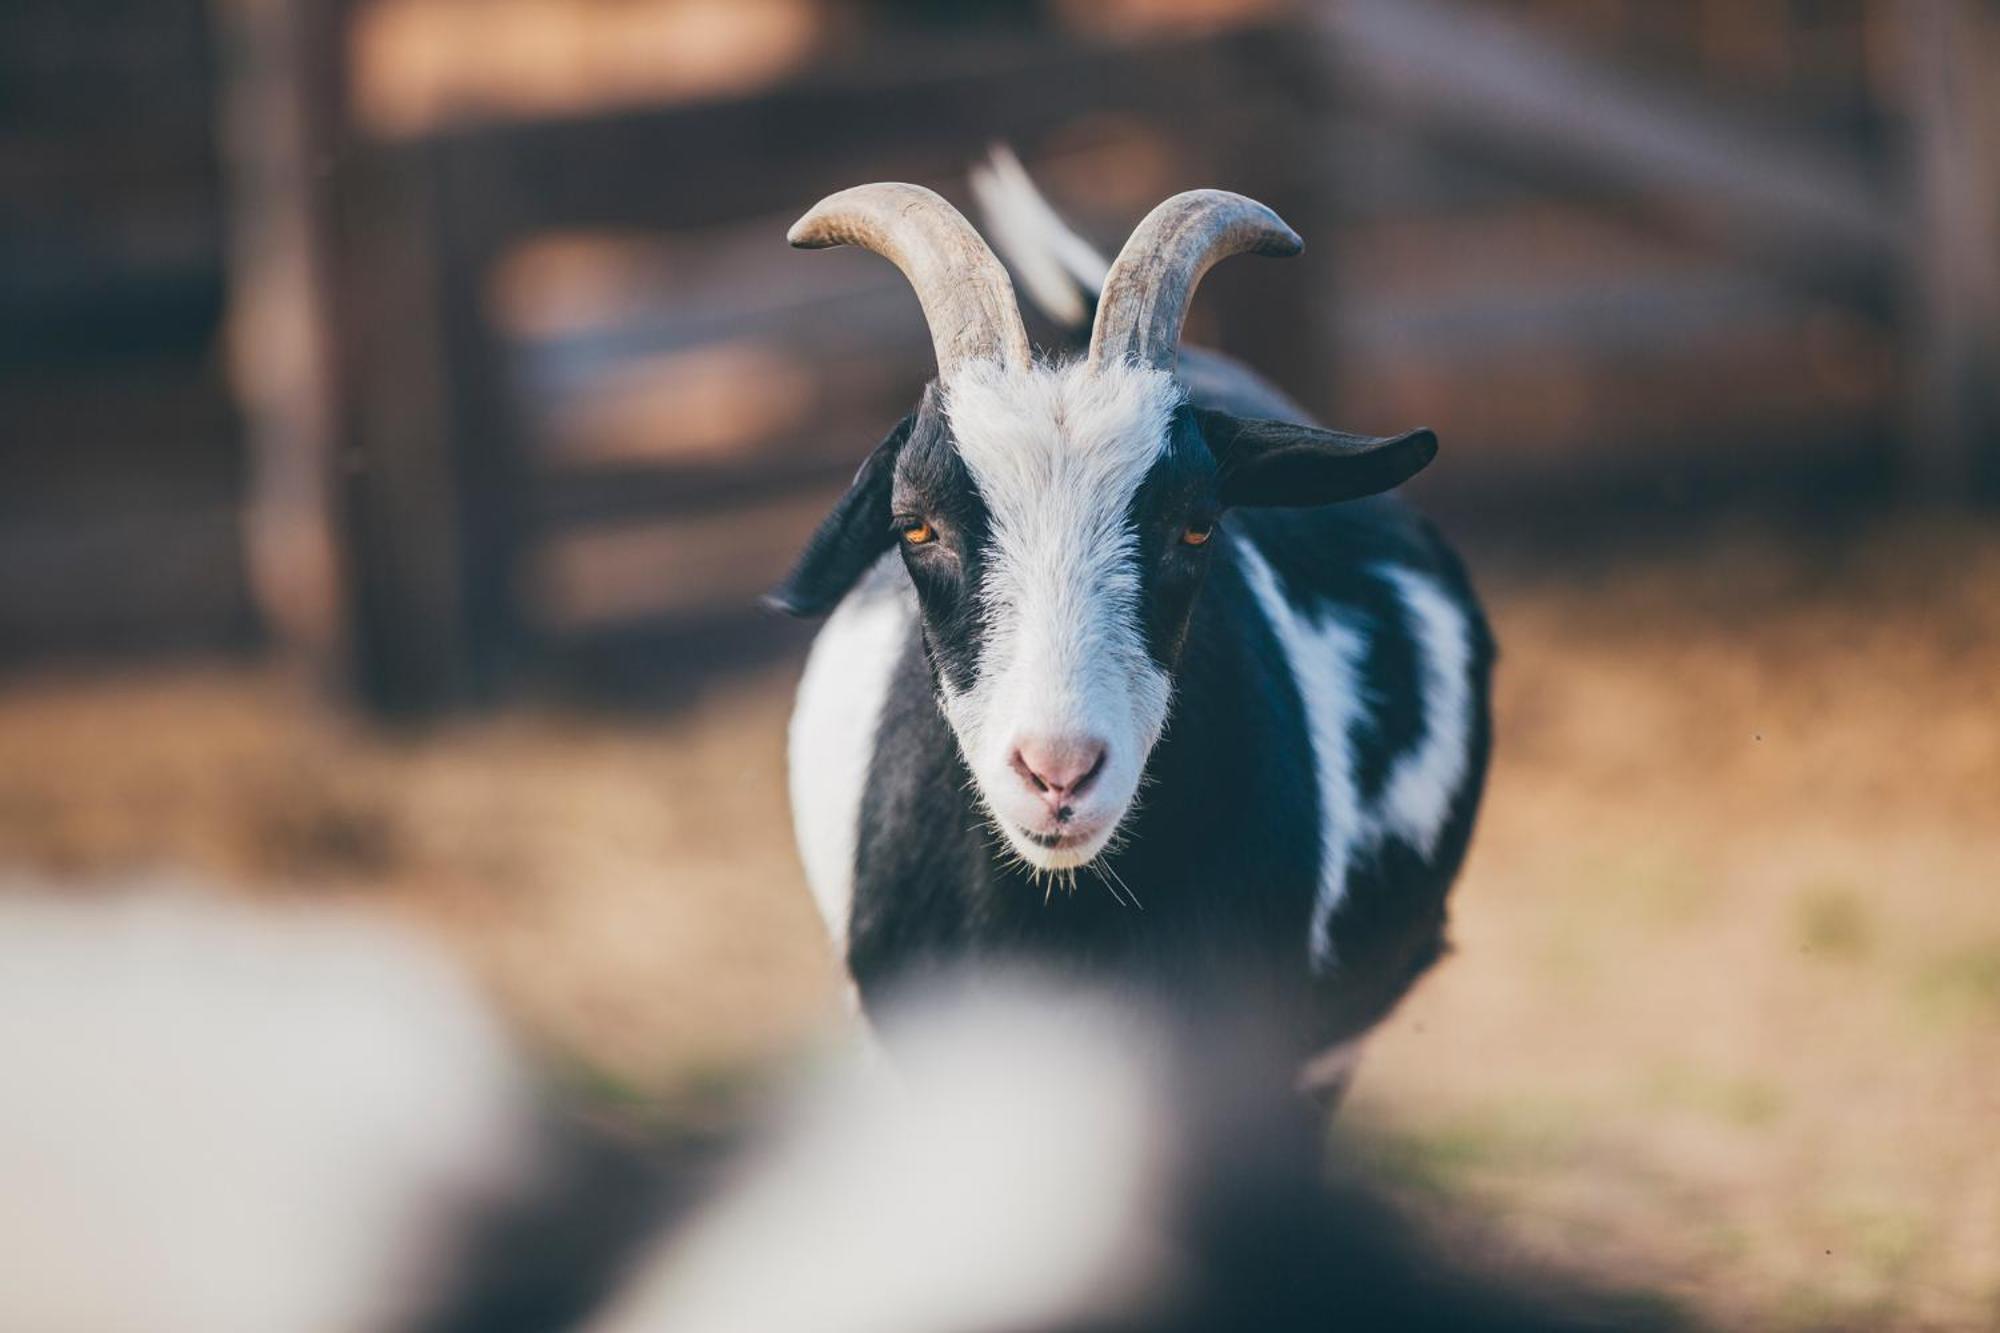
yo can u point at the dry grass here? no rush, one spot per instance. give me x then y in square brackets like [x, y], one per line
[1725, 1016]
[627, 886]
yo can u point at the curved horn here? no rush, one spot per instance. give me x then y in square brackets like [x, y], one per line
[1146, 294]
[968, 301]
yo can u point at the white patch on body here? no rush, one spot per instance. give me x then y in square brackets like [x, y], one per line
[1057, 453]
[1425, 782]
[1325, 655]
[833, 731]
[1011, 1170]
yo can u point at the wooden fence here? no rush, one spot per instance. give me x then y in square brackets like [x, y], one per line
[1578, 272]
[472, 524]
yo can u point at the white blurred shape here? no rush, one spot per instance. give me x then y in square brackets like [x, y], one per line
[222, 1118]
[1009, 1170]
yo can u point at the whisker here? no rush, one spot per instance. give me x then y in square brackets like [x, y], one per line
[1127, 887]
[1108, 888]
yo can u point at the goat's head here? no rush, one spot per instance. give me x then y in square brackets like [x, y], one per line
[1055, 517]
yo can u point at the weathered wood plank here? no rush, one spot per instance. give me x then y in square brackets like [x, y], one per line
[919, 111]
[1801, 205]
[1951, 77]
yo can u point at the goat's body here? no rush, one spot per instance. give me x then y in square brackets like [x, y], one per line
[1304, 814]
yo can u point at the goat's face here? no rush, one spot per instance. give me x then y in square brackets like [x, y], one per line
[1055, 521]
[1052, 521]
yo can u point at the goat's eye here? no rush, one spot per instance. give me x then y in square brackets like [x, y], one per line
[1197, 534]
[919, 533]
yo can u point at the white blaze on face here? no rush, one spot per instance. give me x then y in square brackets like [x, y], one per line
[1058, 453]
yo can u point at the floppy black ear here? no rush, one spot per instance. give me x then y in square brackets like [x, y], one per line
[1278, 463]
[848, 540]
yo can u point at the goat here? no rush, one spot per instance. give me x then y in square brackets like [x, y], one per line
[1130, 616]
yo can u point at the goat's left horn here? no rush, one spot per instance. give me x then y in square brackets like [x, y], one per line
[1146, 293]
[967, 299]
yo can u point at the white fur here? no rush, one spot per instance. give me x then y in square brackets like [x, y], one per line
[1011, 1170]
[1331, 1067]
[833, 730]
[1417, 803]
[237, 1120]
[1057, 453]
[1325, 655]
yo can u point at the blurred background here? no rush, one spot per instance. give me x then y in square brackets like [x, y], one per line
[402, 403]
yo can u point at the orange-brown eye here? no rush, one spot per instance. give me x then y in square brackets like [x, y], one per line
[1197, 536]
[920, 533]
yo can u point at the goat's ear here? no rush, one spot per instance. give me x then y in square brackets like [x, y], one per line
[1278, 463]
[848, 540]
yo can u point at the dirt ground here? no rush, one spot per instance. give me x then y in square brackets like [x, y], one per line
[1724, 1017]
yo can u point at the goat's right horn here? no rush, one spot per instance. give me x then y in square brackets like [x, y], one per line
[1146, 293]
[966, 296]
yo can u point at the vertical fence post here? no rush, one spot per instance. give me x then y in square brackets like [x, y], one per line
[282, 112]
[1950, 67]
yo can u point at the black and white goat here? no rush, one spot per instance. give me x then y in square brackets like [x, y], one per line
[1128, 618]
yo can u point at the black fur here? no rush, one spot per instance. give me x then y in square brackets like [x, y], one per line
[932, 483]
[1267, 462]
[849, 539]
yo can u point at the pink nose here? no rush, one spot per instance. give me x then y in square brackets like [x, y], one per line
[1059, 769]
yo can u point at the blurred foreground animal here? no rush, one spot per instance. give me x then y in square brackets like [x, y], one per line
[1039, 1159]
[221, 1119]
[226, 1119]
[1129, 624]
[234, 1121]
